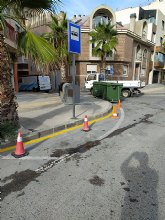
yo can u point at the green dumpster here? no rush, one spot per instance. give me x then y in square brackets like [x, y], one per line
[114, 91]
[97, 89]
[104, 90]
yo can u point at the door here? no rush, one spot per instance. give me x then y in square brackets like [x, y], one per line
[155, 76]
[137, 71]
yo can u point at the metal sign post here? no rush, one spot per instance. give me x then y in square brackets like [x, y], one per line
[74, 47]
[73, 82]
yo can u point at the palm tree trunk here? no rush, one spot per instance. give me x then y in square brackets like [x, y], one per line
[8, 105]
[63, 72]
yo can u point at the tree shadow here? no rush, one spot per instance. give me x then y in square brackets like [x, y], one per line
[140, 201]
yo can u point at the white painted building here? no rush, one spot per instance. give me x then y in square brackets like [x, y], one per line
[154, 13]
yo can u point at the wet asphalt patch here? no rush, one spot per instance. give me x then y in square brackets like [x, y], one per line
[18, 182]
[120, 130]
[126, 189]
[96, 180]
[133, 200]
[80, 149]
[87, 146]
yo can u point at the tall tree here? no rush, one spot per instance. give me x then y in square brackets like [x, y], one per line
[104, 39]
[30, 45]
[58, 36]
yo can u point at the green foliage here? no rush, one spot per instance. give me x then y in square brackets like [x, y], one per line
[30, 45]
[8, 131]
[58, 37]
[104, 37]
[59, 34]
[35, 47]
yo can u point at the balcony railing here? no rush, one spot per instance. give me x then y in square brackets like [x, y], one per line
[159, 49]
[158, 64]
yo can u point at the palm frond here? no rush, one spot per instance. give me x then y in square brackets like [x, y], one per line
[37, 48]
[104, 37]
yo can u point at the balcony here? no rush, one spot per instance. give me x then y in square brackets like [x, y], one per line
[10, 36]
[159, 60]
[159, 49]
[158, 64]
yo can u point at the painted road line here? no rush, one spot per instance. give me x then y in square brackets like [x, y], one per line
[56, 133]
[10, 157]
[52, 163]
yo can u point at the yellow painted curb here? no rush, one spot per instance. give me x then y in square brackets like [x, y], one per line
[55, 134]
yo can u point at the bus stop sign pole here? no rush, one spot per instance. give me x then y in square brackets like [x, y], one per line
[74, 47]
[73, 83]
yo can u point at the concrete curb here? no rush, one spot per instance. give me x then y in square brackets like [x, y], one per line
[42, 133]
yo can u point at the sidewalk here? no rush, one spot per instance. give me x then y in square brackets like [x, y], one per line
[42, 113]
[153, 88]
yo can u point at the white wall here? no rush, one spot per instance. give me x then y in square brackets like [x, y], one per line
[160, 32]
[124, 15]
[149, 33]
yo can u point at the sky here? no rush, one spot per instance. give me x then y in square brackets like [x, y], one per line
[85, 7]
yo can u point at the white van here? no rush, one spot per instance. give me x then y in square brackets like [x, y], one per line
[35, 83]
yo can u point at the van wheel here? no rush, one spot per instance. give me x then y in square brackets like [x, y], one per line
[126, 93]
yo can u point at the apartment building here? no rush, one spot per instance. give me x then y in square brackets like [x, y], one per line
[11, 34]
[130, 61]
[19, 65]
[154, 13]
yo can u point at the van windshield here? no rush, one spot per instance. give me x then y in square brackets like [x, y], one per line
[91, 77]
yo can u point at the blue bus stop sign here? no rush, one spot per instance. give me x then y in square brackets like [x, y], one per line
[74, 38]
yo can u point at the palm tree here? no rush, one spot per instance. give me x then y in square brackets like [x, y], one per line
[30, 45]
[104, 39]
[58, 37]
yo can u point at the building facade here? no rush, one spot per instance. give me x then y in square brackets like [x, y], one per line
[132, 57]
[154, 13]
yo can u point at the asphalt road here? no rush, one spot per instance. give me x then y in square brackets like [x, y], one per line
[115, 171]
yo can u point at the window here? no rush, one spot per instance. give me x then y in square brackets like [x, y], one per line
[144, 61]
[100, 19]
[143, 72]
[109, 70]
[138, 53]
[125, 70]
[162, 25]
[144, 32]
[91, 68]
[91, 77]
[145, 56]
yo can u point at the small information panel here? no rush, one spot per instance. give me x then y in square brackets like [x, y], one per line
[74, 38]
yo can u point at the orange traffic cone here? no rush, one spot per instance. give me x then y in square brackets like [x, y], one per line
[119, 104]
[114, 115]
[86, 127]
[20, 151]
